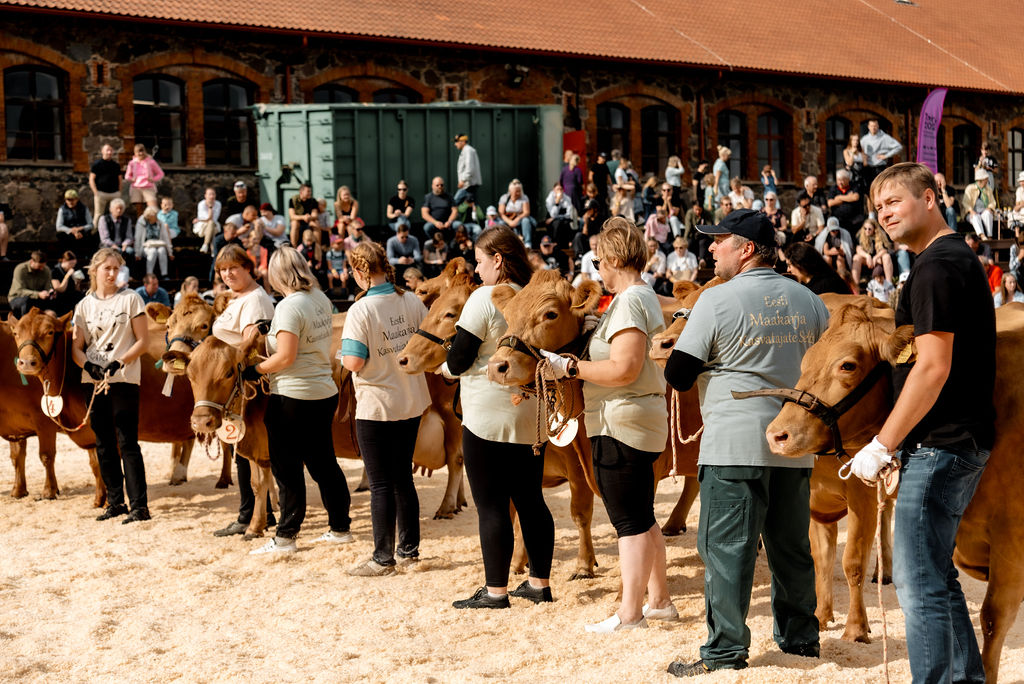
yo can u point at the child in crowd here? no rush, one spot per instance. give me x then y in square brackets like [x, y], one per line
[413, 277]
[337, 264]
[493, 220]
[312, 252]
[169, 215]
[880, 288]
[259, 254]
[768, 180]
[206, 224]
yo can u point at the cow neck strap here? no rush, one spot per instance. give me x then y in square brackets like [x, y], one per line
[445, 343]
[826, 413]
[190, 341]
[45, 355]
[575, 346]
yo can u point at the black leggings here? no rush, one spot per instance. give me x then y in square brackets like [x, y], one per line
[299, 433]
[387, 448]
[500, 473]
[115, 421]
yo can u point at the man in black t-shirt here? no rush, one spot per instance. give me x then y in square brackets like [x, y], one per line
[237, 203]
[105, 180]
[599, 176]
[846, 203]
[302, 211]
[943, 420]
[439, 210]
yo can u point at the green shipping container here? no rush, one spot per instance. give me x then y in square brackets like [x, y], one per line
[370, 147]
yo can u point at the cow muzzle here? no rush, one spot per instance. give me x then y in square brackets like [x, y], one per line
[205, 420]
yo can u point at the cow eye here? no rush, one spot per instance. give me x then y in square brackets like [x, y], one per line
[848, 366]
[551, 315]
[450, 314]
[204, 326]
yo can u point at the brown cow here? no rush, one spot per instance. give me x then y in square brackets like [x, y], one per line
[429, 290]
[990, 541]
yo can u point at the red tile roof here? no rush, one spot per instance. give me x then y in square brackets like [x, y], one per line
[972, 45]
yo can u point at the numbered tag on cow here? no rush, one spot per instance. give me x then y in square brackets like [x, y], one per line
[52, 406]
[564, 436]
[232, 429]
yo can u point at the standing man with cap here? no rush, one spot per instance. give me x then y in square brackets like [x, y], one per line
[467, 172]
[750, 333]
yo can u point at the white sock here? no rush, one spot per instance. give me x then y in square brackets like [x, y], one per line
[495, 596]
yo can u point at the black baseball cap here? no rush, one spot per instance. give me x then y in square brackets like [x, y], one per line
[753, 225]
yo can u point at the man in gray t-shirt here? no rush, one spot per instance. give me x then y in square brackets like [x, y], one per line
[749, 333]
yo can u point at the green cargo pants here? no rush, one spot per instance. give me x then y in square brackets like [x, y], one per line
[739, 504]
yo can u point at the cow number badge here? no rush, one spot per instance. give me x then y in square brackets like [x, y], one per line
[52, 406]
[232, 429]
[564, 436]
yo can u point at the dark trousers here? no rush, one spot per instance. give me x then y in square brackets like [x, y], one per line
[247, 497]
[115, 421]
[738, 504]
[501, 473]
[299, 434]
[387, 448]
[22, 305]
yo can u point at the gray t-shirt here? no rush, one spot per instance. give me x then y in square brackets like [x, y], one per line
[752, 331]
[308, 316]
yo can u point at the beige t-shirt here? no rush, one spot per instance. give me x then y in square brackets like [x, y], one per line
[244, 310]
[377, 328]
[107, 327]
[308, 316]
[636, 414]
[487, 409]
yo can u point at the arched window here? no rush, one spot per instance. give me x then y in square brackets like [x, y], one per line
[612, 127]
[771, 142]
[227, 123]
[1015, 154]
[160, 117]
[397, 96]
[658, 126]
[732, 133]
[332, 93]
[838, 130]
[34, 106]
[966, 147]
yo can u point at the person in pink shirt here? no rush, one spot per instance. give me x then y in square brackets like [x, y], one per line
[657, 226]
[143, 173]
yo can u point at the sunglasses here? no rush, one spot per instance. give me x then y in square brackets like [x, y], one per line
[401, 189]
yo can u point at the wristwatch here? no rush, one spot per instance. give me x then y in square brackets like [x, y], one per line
[572, 369]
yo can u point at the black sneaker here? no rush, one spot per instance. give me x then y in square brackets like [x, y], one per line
[113, 512]
[232, 529]
[681, 669]
[137, 515]
[804, 650]
[481, 599]
[532, 593]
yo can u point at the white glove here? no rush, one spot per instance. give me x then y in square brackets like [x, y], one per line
[445, 373]
[870, 460]
[590, 322]
[559, 365]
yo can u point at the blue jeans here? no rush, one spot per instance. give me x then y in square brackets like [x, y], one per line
[935, 487]
[466, 194]
[525, 228]
[950, 213]
[400, 221]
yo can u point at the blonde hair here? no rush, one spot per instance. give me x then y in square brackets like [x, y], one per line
[309, 233]
[288, 272]
[369, 258]
[98, 258]
[150, 212]
[621, 240]
[722, 149]
[675, 162]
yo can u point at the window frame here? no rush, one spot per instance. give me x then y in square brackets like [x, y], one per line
[181, 110]
[606, 133]
[1013, 170]
[653, 139]
[228, 113]
[58, 106]
[737, 142]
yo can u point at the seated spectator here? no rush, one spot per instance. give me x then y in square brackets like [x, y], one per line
[980, 204]
[67, 282]
[492, 220]
[653, 272]
[169, 216]
[462, 246]
[228, 237]
[724, 209]
[5, 232]
[983, 251]
[274, 226]
[403, 251]
[514, 211]
[560, 224]
[216, 287]
[699, 243]
[810, 268]
[346, 209]
[303, 212]
[742, 197]
[154, 241]
[817, 195]
[880, 287]
[846, 203]
[239, 199]
[536, 260]
[439, 210]
[313, 253]
[337, 264]
[657, 227]
[324, 219]
[595, 213]
[74, 224]
[775, 213]
[835, 244]
[356, 234]
[400, 206]
[806, 221]
[435, 255]
[948, 197]
[206, 224]
[554, 258]
[628, 181]
[673, 209]
[188, 286]
[1007, 291]
[1016, 250]
[413, 277]
[622, 204]
[873, 249]
[151, 290]
[115, 229]
[769, 181]
[993, 273]
[31, 286]
[650, 195]
[248, 220]
[143, 173]
[258, 254]
[681, 264]
[588, 271]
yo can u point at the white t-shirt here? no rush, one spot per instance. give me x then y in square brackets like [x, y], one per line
[587, 266]
[107, 326]
[377, 328]
[308, 316]
[275, 224]
[687, 262]
[487, 406]
[738, 198]
[243, 310]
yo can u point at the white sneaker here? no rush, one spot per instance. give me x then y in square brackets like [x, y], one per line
[275, 546]
[614, 624]
[668, 613]
[333, 537]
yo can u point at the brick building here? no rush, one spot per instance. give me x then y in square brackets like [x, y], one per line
[784, 85]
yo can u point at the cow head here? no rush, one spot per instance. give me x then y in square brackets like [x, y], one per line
[686, 293]
[859, 336]
[38, 335]
[187, 326]
[429, 290]
[213, 372]
[423, 355]
[546, 314]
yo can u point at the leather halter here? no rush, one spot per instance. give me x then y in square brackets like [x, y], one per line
[46, 356]
[223, 408]
[574, 346]
[190, 341]
[446, 344]
[826, 413]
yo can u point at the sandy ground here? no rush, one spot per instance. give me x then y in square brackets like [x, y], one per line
[165, 601]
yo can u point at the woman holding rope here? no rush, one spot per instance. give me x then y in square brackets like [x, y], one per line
[110, 334]
[249, 304]
[389, 404]
[626, 419]
[497, 436]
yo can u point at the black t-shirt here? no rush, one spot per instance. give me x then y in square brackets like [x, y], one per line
[107, 171]
[947, 291]
[819, 200]
[601, 176]
[850, 214]
[439, 206]
[233, 206]
[556, 261]
[829, 282]
[400, 205]
[301, 206]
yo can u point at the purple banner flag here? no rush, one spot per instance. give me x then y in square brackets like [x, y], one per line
[928, 129]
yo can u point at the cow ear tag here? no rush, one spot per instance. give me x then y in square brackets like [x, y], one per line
[232, 429]
[563, 437]
[161, 319]
[907, 353]
[52, 406]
